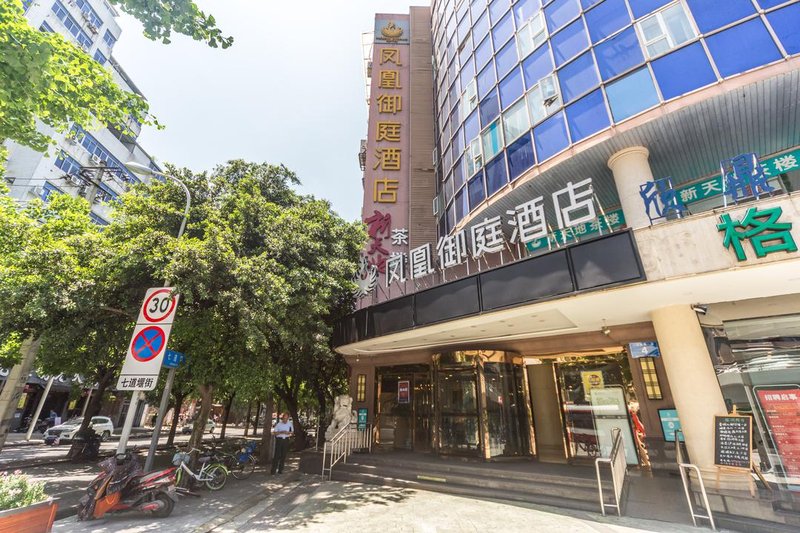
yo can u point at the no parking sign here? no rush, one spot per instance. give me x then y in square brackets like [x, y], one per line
[149, 341]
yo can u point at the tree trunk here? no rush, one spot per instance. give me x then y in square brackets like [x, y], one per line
[226, 414]
[196, 440]
[255, 420]
[175, 418]
[265, 456]
[96, 401]
[247, 418]
[299, 430]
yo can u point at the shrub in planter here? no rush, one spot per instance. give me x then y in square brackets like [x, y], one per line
[17, 490]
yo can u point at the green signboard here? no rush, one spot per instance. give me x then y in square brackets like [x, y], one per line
[761, 228]
[612, 221]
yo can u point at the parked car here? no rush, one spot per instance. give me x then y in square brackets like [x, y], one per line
[210, 427]
[64, 433]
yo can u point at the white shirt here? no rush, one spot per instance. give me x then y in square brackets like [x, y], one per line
[283, 426]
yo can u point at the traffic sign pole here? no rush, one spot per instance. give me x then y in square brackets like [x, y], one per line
[126, 429]
[162, 409]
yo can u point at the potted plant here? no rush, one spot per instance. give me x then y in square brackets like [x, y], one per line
[24, 507]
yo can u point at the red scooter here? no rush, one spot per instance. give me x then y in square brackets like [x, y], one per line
[122, 486]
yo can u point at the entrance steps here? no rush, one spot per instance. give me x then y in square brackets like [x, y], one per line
[572, 487]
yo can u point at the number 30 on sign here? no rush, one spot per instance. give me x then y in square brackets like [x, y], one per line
[159, 306]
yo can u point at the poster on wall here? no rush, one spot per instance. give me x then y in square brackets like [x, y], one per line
[610, 411]
[403, 391]
[781, 409]
[670, 423]
[591, 379]
[361, 420]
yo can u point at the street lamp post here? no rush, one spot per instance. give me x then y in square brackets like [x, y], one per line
[138, 168]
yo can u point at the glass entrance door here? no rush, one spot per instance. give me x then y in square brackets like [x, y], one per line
[404, 410]
[423, 412]
[459, 427]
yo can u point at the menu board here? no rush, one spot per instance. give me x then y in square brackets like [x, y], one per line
[781, 408]
[733, 441]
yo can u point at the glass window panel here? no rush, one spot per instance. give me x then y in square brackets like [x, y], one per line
[462, 205]
[587, 116]
[618, 54]
[712, 14]
[766, 4]
[784, 23]
[492, 140]
[506, 58]
[455, 92]
[462, 9]
[538, 65]
[483, 53]
[651, 29]
[550, 137]
[489, 108]
[544, 99]
[569, 42]
[641, 8]
[525, 40]
[631, 94]
[465, 52]
[520, 157]
[578, 77]
[503, 30]
[496, 175]
[458, 173]
[451, 218]
[472, 126]
[481, 27]
[683, 71]
[510, 88]
[560, 12]
[486, 80]
[515, 121]
[607, 18]
[589, 3]
[448, 189]
[678, 26]
[463, 30]
[467, 73]
[497, 8]
[458, 143]
[476, 191]
[525, 9]
[477, 7]
[658, 47]
[742, 47]
[474, 156]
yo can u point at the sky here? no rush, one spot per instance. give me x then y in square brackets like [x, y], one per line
[290, 90]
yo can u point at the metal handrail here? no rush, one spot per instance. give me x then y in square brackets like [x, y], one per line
[619, 467]
[684, 467]
[342, 444]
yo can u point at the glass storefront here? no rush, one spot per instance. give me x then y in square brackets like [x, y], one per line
[757, 361]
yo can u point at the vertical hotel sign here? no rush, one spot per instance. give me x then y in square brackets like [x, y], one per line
[386, 183]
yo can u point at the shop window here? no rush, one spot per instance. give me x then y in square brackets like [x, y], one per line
[496, 175]
[606, 19]
[560, 12]
[550, 137]
[476, 191]
[511, 88]
[683, 71]
[632, 94]
[784, 23]
[742, 47]
[714, 14]
[665, 29]
[531, 35]
[486, 80]
[618, 54]
[474, 156]
[483, 53]
[515, 121]
[578, 78]
[506, 59]
[489, 108]
[569, 42]
[492, 140]
[543, 99]
[587, 116]
[361, 388]
[503, 31]
[520, 157]
[652, 386]
[537, 66]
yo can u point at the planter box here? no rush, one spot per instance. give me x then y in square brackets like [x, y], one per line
[36, 518]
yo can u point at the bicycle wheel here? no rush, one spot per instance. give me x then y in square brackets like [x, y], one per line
[243, 469]
[218, 475]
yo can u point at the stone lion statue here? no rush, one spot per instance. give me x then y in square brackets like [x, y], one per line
[343, 415]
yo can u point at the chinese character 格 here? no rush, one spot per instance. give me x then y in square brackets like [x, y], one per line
[390, 103]
[744, 177]
[761, 228]
[528, 221]
[420, 262]
[384, 191]
[389, 79]
[387, 158]
[580, 201]
[390, 55]
[396, 268]
[487, 237]
[388, 131]
[400, 237]
[452, 249]
[660, 199]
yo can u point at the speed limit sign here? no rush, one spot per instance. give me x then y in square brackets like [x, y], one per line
[159, 306]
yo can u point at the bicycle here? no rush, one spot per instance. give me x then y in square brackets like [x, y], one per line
[240, 463]
[212, 473]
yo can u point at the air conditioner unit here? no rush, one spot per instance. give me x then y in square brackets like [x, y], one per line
[85, 15]
[71, 139]
[99, 197]
[37, 191]
[92, 28]
[94, 158]
[75, 180]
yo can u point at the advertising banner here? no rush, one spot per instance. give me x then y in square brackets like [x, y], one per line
[403, 391]
[591, 379]
[781, 408]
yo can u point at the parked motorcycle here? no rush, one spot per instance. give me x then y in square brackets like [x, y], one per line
[122, 486]
[85, 446]
[42, 425]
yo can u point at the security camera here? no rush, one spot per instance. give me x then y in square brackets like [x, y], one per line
[700, 309]
[606, 331]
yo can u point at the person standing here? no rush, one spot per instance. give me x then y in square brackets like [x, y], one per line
[283, 431]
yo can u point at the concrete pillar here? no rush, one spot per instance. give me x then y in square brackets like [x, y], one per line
[694, 384]
[631, 169]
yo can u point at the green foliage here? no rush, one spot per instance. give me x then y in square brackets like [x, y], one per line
[43, 76]
[162, 17]
[17, 490]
